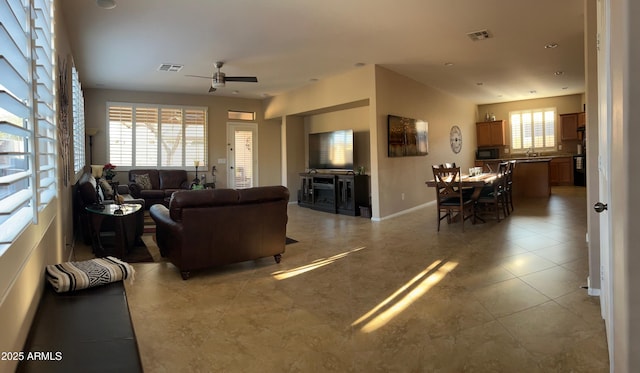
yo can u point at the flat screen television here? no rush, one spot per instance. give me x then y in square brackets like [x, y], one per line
[331, 150]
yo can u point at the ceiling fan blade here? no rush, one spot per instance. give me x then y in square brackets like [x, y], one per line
[211, 89]
[249, 79]
[198, 76]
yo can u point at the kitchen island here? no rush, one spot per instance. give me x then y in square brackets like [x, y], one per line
[531, 178]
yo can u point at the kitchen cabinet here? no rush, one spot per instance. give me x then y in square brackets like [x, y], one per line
[569, 124]
[560, 171]
[490, 133]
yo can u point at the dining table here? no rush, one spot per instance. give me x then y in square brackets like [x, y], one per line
[477, 182]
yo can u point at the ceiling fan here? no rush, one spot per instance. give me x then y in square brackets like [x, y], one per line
[219, 78]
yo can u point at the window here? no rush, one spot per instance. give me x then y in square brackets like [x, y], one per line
[533, 130]
[241, 115]
[142, 135]
[27, 112]
[79, 151]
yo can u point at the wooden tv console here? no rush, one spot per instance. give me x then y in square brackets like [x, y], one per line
[338, 193]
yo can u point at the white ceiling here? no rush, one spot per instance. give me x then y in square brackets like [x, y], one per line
[287, 43]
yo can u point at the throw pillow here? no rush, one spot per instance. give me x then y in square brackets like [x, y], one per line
[107, 190]
[143, 181]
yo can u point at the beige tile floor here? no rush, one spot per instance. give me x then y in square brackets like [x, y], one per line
[355, 295]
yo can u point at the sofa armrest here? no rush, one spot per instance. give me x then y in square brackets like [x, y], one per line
[168, 231]
[134, 190]
[123, 189]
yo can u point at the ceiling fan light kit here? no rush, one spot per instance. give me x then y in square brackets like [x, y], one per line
[106, 4]
[219, 79]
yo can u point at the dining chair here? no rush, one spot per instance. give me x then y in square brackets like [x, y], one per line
[509, 184]
[495, 195]
[450, 197]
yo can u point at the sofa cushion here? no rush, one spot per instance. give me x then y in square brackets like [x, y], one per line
[172, 179]
[87, 189]
[153, 176]
[143, 180]
[107, 190]
[152, 194]
[200, 198]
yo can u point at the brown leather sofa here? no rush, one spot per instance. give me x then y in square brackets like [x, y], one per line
[214, 227]
[163, 184]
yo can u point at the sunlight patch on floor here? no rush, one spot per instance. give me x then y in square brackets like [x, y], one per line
[402, 298]
[318, 263]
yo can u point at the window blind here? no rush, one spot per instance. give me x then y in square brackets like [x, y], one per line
[79, 144]
[533, 130]
[27, 115]
[142, 135]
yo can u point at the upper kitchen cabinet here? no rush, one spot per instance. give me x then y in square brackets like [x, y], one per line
[490, 133]
[569, 124]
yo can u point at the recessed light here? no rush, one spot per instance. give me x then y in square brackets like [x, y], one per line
[359, 64]
[448, 64]
[565, 88]
[313, 79]
[551, 46]
[479, 83]
[533, 91]
[558, 73]
[106, 4]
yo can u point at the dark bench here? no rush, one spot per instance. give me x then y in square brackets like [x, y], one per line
[89, 330]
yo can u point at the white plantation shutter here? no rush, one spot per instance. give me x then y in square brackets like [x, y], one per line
[244, 159]
[195, 136]
[172, 138]
[79, 150]
[120, 135]
[156, 135]
[27, 115]
[146, 143]
[533, 130]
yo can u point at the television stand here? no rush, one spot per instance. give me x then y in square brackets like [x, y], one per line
[338, 193]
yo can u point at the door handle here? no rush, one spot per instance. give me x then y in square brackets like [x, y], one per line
[599, 207]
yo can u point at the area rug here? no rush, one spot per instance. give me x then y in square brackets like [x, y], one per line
[152, 247]
[138, 254]
[149, 224]
[289, 241]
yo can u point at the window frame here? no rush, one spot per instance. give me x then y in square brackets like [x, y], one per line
[79, 141]
[545, 135]
[28, 113]
[186, 159]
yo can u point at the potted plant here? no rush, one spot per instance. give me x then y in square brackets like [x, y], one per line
[108, 171]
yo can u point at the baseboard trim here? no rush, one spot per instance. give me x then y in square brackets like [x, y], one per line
[399, 213]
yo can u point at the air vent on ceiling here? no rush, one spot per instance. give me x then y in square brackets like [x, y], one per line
[170, 67]
[479, 35]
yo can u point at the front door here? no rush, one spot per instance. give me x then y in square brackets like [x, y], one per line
[242, 155]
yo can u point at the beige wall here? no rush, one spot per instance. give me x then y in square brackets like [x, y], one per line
[356, 119]
[365, 97]
[269, 145]
[399, 95]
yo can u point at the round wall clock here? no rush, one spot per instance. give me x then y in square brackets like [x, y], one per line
[455, 139]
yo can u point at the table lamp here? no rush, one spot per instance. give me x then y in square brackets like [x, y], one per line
[196, 180]
[96, 172]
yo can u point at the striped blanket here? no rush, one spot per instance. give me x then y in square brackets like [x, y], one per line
[71, 276]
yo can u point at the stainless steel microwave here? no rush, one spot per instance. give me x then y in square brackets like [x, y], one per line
[488, 153]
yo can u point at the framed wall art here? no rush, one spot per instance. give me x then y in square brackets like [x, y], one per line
[407, 137]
